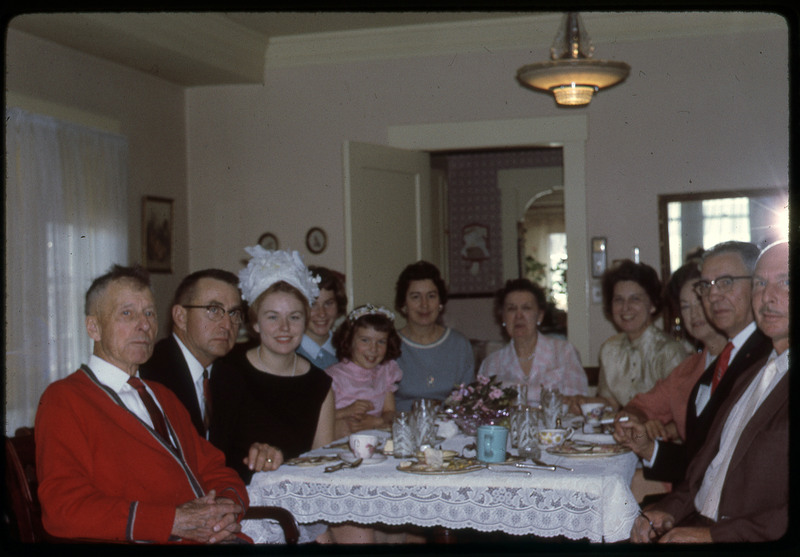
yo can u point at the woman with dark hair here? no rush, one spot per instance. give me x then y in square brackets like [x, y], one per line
[632, 361]
[366, 376]
[317, 345]
[434, 358]
[531, 358]
[662, 409]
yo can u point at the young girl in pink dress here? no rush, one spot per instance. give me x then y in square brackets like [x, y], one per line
[366, 377]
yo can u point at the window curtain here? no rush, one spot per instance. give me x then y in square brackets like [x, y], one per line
[66, 223]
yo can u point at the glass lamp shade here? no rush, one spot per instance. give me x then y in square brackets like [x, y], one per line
[573, 80]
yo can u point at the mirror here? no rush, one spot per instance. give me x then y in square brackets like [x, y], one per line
[701, 220]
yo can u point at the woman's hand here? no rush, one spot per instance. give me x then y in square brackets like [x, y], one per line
[656, 430]
[263, 457]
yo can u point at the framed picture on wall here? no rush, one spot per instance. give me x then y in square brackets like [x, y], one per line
[157, 223]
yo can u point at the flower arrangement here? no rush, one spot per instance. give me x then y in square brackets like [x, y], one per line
[483, 401]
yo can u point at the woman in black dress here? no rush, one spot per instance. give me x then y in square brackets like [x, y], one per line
[269, 394]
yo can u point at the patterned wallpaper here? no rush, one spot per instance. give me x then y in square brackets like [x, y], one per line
[474, 241]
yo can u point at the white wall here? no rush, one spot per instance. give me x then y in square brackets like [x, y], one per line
[694, 115]
[147, 110]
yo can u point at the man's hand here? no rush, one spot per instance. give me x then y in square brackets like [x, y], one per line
[633, 435]
[263, 457]
[207, 519]
[686, 534]
[651, 525]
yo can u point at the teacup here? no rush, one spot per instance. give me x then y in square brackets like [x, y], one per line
[554, 437]
[363, 445]
[592, 411]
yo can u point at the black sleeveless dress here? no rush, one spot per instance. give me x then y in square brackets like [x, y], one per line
[250, 406]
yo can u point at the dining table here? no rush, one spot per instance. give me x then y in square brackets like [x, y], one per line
[588, 497]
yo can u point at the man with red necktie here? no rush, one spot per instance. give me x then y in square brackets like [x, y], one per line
[737, 485]
[725, 291]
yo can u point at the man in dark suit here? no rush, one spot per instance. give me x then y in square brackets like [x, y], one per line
[206, 315]
[737, 486]
[725, 290]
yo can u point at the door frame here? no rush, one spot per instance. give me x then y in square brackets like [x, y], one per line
[568, 132]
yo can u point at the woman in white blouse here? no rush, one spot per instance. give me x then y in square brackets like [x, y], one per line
[532, 358]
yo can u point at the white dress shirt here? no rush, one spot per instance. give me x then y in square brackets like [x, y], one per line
[117, 380]
[196, 370]
[707, 499]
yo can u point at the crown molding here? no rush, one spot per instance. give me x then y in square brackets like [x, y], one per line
[527, 31]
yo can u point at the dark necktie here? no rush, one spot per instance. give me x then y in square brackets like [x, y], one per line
[722, 365]
[206, 399]
[152, 408]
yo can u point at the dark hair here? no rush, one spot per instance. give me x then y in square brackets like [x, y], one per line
[689, 272]
[745, 250]
[185, 292]
[136, 275]
[343, 337]
[333, 281]
[643, 275]
[518, 285]
[421, 270]
[280, 286]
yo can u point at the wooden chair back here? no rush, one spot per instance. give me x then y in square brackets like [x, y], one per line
[21, 484]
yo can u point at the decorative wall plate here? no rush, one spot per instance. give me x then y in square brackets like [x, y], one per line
[316, 240]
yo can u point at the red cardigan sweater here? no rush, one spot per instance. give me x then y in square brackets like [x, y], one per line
[104, 474]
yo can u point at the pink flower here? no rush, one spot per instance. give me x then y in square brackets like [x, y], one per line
[495, 393]
[483, 380]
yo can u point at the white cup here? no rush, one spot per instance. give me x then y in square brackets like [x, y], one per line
[363, 445]
[593, 411]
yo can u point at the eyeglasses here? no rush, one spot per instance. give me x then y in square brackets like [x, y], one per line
[724, 283]
[216, 313]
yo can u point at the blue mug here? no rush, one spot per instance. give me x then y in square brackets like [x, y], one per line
[491, 441]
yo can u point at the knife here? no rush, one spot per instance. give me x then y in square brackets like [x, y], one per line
[341, 465]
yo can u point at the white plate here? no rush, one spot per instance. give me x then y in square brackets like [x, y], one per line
[349, 458]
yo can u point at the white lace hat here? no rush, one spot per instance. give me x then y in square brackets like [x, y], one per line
[267, 267]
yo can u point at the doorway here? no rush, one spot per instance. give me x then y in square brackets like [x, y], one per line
[569, 133]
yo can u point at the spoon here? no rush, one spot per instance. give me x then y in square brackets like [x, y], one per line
[341, 465]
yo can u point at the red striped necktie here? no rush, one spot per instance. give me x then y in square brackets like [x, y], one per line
[159, 424]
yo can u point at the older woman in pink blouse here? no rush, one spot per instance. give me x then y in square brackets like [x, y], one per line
[531, 358]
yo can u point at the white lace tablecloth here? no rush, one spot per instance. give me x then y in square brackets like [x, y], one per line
[592, 502]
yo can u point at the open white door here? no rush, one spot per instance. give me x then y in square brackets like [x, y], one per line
[389, 214]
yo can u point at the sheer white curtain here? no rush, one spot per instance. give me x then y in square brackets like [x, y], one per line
[66, 222]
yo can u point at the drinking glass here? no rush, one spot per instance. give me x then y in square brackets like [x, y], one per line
[403, 435]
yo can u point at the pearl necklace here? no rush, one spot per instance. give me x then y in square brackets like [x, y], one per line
[261, 358]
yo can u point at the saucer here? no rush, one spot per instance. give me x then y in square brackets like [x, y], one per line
[349, 458]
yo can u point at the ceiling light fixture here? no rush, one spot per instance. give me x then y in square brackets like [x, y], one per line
[572, 75]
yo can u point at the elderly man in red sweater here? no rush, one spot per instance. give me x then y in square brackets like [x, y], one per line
[118, 458]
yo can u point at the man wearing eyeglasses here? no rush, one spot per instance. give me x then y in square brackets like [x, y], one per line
[737, 485]
[206, 315]
[725, 290]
